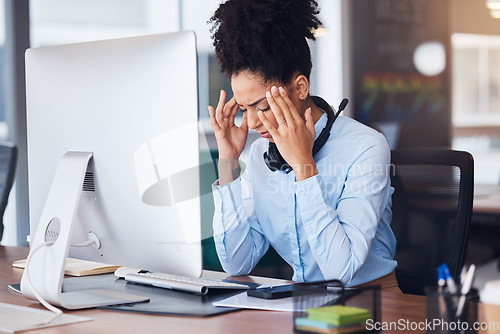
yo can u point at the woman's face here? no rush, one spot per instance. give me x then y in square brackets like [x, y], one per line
[250, 94]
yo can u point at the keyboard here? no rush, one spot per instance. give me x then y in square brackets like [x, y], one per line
[182, 283]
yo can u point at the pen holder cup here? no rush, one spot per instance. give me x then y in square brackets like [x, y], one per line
[451, 313]
[363, 299]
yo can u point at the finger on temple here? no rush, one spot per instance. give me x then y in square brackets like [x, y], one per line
[213, 121]
[275, 108]
[244, 122]
[228, 108]
[285, 110]
[289, 103]
[233, 108]
[220, 106]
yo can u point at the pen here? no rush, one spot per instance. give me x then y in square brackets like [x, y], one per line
[450, 283]
[441, 301]
[441, 280]
[462, 275]
[466, 286]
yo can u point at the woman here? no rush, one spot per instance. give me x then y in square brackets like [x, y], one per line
[327, 213]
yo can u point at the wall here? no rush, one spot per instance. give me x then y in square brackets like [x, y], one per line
[473, 17]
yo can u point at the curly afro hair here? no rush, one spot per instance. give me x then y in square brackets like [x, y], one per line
[267, 37]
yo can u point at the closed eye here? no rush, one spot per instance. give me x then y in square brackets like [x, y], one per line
[258, 109]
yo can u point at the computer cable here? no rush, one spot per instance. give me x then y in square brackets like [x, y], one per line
[57, 312]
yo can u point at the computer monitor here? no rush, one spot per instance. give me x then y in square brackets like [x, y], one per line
[113, 156]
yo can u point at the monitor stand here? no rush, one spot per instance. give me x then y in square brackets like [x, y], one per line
[47, 264]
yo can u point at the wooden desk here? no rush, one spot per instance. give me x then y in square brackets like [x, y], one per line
[395, 306]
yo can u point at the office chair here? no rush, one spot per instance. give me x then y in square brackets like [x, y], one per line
[8, 159]
[432, 207]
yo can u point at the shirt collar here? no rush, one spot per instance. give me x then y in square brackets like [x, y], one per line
[320, 124]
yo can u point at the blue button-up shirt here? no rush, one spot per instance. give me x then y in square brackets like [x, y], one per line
[334, 225]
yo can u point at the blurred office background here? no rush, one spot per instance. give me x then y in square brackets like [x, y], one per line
[423, 72]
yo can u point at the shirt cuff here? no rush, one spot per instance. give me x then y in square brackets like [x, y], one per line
[227, 193]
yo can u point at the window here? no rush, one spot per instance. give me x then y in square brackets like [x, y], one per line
[55, 22]
[476, 102]
[476, 80]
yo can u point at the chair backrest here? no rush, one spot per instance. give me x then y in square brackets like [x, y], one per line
[8, 159]
[432, 207]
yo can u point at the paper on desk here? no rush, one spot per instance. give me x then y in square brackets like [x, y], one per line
[14, 318]
[242, 300]
[77, 267]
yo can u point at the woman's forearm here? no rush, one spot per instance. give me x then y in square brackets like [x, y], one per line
[229, 170]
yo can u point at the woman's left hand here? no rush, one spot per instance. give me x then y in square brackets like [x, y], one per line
[294, 135]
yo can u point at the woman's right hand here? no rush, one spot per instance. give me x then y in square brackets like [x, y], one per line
[231, 139]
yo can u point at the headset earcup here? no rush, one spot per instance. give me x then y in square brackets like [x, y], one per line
[269, 163]
[274, 160]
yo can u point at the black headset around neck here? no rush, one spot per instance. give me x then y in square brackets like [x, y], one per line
[273, 159]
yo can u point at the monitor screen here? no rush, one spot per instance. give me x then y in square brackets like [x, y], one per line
[132, 104]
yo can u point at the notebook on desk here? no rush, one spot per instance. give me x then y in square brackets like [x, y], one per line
[78, 267]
